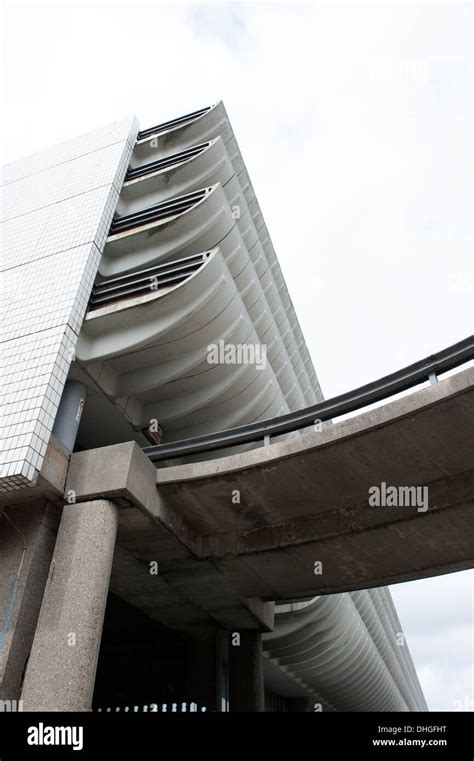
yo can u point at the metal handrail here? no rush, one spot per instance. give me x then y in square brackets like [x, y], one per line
[172, 207]
[167, 162]
[173, 123]
[151, 279]
[401, 380]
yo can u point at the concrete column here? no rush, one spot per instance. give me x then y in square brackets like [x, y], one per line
[246, 673]
[27, 537]
[61, 670]
[205, 669]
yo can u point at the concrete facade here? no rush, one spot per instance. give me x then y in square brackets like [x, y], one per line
[274, 558]
[154, 250]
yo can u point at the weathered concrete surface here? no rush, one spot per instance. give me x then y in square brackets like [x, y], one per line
[251, 526]
[27, 537]
[186, 591]
[121, 472]
[62, 665]
[306, 499]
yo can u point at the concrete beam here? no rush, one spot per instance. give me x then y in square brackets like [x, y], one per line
[187, 591]
[118, 471]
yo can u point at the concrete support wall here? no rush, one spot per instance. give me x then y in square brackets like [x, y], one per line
[246, 673]
[27, 537]
[61, 670]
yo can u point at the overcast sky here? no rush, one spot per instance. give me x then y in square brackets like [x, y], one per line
[355, 123]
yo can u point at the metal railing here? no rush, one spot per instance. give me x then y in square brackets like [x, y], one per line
[158, 212]
[165, 163]
[423, 370]
[148, 280]
[182, 707]
[179, 122]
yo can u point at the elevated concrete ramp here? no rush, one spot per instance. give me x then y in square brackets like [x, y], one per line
[306, 499]
[292, 519]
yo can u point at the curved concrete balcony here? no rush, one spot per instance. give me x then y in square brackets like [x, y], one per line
[179, 173]
[267, 323]
[174, 229]
[182, 133]
[188, 191]
[130, 323]
[204, 125]
[162, 277]
[152, 346]
[326, 647]
[377, 610]
[208, 222]
[248, 395]
[208, 166]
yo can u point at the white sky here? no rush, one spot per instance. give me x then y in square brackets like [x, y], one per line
[355, 125]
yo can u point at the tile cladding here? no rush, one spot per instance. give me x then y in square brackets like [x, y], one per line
[57, 206]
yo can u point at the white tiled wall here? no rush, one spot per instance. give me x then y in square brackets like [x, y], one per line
[57, 209]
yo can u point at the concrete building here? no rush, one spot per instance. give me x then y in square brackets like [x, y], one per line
[144, 303]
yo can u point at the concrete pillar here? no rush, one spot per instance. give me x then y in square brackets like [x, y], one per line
[205, 669]
[27, 536]
[61, 670]
[246, 673]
